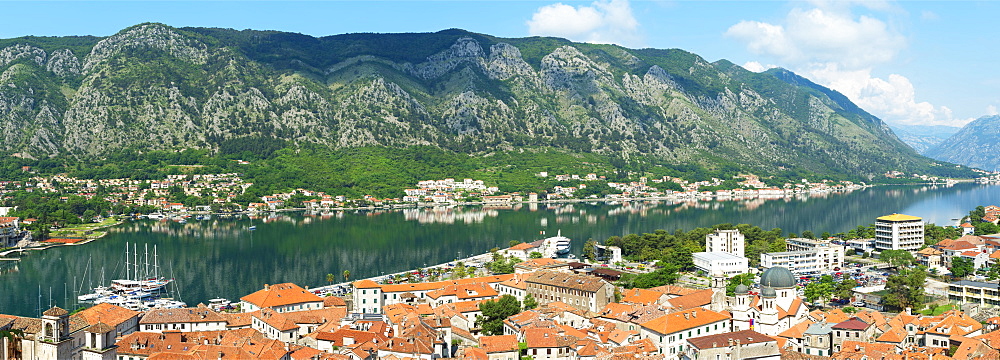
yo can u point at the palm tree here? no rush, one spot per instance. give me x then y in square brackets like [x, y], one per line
[330, 278]
[347, 275]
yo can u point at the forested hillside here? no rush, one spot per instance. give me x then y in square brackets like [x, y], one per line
[270, 95]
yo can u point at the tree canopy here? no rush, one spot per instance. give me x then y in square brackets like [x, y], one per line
[494, 312]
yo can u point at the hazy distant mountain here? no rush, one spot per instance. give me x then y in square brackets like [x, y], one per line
[923, 137]
[977, 145]
[152, 86]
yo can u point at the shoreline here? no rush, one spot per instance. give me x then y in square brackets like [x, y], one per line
[87, 240]
[418, 205]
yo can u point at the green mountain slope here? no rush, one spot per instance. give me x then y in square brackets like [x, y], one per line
[154, 87]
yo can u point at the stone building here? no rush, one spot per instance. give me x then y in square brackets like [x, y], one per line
[587, 293]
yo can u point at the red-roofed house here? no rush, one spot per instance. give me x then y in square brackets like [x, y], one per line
[967, 229]
[745, 344]
[549, 344]
[670, 331]
[521, 251]
[281, 298]
[500, 347]
[852, 330]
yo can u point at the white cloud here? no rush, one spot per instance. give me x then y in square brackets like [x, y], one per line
[929, 15]
[821, 35]
[757, 67]
[830, 45]
[991, 110]
[604, 21]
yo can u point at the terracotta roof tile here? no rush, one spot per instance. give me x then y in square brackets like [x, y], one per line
[683, 320]
[796, 332]
[106, 313]
[280, 295]
[641, 296]
[722, 340]
[498, 343]
[692, 300]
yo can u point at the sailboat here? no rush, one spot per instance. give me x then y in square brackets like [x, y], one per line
[252, 226]
[144, 281]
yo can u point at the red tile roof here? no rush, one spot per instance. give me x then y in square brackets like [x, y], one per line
[498, 343]
[852, 324]
[280, 295]
[683, 320]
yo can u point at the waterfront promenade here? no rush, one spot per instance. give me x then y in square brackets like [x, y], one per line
[343, 288]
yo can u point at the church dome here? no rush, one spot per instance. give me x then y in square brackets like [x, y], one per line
[768, 292]
[777, 277]
[741, 289]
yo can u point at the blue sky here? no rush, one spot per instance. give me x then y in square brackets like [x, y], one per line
[909, 62]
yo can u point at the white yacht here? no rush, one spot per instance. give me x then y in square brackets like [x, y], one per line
[560, 244]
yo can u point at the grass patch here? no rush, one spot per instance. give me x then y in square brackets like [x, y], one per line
[937, 310]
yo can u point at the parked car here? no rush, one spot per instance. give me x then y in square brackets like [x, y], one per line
[859, 303]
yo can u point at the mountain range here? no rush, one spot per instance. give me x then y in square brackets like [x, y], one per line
[977, 145]
[923, 137]
[156, 87]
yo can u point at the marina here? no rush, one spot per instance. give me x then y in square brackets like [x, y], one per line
[141, 290]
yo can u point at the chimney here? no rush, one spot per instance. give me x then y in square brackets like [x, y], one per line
[267, 286]
[686, 316]
[694, 313]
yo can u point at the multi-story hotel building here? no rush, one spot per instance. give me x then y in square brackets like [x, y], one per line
[899, 232]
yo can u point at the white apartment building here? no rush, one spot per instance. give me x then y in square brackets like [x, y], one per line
[727, 241]
[806, 257]
[716, 262]
[724, 252]
[899, 232]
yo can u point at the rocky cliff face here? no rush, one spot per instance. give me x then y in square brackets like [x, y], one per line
[156, 87]
[977, 145]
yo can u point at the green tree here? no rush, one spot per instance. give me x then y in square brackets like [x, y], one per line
[330, 278]
[986, 228]
[347, 275]
[530, 302]
[962, 266]
[535, 255]
[898, 258]
[845, 288]
[905, 289]
[817, 290]
[666, 275]
[494, 312]
[744, 279]
[589, 250]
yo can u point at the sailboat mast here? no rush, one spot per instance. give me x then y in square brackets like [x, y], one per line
[156, 263]
[145, 267]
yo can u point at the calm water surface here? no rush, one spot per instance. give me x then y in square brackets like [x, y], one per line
[220, 258]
